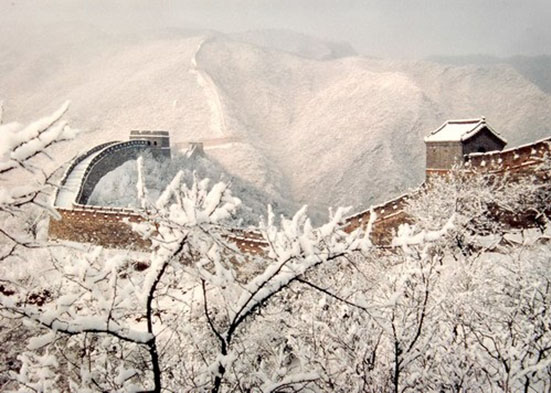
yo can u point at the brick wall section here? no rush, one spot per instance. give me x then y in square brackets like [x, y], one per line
[106, 227]
[102, 227]
[519, 159]
[443, 154]
[78, 160]
[158, 139]
[249, 242]
[388, 217]
[109, 159]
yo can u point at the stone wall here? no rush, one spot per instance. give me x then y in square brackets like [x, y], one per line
[109, 228]
[519, 159]
[388, 218]
[248, 242]
[159, 141]
[111, 158]
[78, 160]
[105, 227]
[516, 162]
[443, 155]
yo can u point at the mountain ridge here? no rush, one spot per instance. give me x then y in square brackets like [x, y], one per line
[325, 131]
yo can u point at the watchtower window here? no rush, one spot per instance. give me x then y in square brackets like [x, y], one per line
[155, 143]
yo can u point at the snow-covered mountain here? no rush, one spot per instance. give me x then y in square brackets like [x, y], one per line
[303, 119]
[536, 69]
[296, 43]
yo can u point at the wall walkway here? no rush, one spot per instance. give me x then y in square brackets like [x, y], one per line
[109, 228]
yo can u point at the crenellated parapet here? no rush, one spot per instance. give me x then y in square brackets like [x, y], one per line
[110, 227]
[518, 159]
[64, 185]
[105, 227]
[388, 217]
[106, 161]
[158, 141]
[85, 171]
[516, 162]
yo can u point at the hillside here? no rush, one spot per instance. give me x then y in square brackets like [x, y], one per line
[305, 123]
[537, 69]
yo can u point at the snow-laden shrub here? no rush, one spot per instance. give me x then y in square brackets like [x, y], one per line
[117, 187]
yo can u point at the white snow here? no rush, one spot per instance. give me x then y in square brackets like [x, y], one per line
[459, 130]
[68, 192]
[18, 143]
[217, 120]
[340, 132]
[228, 145]
[141, 187]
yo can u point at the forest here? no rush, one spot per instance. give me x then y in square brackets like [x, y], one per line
[459, 303]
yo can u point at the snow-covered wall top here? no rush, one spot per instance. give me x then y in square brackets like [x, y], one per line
[87, 170]
[72, 178]
[107, 226]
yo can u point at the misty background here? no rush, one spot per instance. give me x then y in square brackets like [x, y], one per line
[317, 102]
[390, 28]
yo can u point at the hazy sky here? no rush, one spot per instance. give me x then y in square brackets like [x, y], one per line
[386, 28]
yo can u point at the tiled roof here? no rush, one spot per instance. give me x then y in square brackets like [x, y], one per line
[460, 130]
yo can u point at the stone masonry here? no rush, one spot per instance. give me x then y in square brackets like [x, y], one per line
[110, 227]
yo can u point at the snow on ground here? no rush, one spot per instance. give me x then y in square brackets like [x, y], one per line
[296, 43]
[341, 131]
[217, 121]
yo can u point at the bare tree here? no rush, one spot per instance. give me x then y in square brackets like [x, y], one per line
[24, 190]
[452, 307]
[109, 327]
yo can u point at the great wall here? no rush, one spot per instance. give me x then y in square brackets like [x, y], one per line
[478, 150]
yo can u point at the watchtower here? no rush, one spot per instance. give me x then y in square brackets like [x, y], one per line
[455, 139]
[159, 141]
